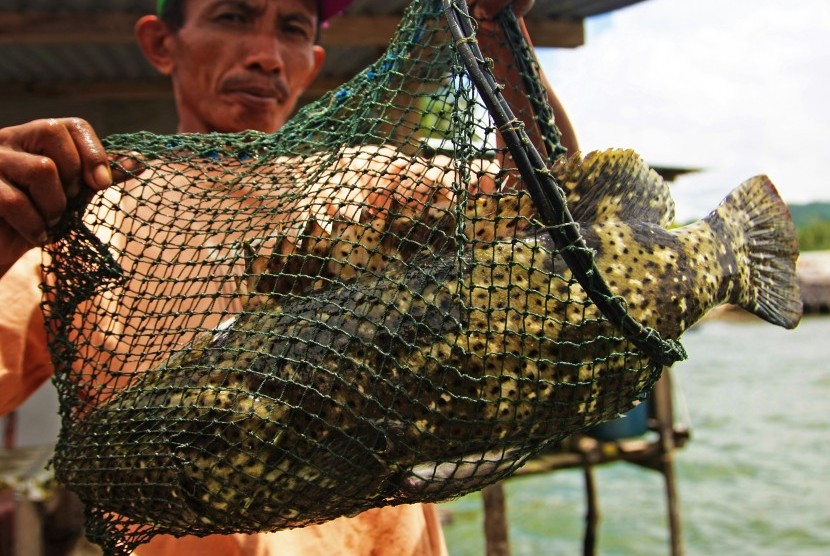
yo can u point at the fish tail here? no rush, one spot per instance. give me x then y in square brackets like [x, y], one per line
[768, 284]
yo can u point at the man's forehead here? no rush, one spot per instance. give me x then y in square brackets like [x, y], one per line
[311, 4]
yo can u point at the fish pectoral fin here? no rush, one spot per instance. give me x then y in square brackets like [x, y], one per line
[614, 184]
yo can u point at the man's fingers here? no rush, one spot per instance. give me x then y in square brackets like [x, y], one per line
[44, 164]
[18, 213]
[51, 139]
[73, 145]
[30, 183]
[94, 160]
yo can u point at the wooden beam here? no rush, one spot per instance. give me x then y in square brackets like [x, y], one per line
[90, 90]
[354, 30]
[30, 28]
[22, 28]
[556, 33]
[154, 89]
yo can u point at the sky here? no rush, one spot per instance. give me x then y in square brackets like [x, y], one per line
[736, 88]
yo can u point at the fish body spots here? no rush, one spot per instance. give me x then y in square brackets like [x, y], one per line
[657, 271]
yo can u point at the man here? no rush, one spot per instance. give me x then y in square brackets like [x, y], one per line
[235, 65]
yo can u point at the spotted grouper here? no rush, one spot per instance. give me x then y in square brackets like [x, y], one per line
[434, 373]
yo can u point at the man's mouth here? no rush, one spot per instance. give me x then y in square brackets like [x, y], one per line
[257, 93]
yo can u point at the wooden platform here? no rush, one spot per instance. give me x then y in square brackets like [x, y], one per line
[814, 278]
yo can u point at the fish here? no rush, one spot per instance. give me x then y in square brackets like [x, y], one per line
[442, 362]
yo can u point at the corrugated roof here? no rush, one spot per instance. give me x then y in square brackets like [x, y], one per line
[77, 40]
[542, 8]
[577, 8]
[84, 49]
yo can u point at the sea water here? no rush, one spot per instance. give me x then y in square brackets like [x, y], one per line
[753, 480]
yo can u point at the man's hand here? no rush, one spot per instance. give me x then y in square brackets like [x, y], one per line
[44, 164]
[487, 10]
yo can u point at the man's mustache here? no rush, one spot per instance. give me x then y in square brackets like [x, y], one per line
[258, 84]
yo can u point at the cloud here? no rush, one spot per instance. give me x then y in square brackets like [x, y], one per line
[734, 88]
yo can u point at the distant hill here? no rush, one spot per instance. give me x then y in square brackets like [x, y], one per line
[813, 224]
[803, 215]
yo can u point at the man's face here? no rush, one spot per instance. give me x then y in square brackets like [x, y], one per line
[242, 64]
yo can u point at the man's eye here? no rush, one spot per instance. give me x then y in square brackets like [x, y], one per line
[297, 30]
[231, 17]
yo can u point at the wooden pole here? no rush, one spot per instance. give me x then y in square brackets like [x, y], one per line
[495, 521]
[589, 544]
[664, 412]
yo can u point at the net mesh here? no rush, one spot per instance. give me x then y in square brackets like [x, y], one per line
[367, 308]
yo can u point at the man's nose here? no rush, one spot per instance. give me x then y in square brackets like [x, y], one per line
[264, 53]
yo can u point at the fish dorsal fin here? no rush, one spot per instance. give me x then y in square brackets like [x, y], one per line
[614, 185]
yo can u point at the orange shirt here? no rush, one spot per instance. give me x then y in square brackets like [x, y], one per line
[24, 359]
[406, 530]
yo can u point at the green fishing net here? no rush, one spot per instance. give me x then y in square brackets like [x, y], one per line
[259, 332]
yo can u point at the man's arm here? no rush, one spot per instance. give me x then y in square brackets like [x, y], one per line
[494, 45]
[24, 357]
[44, 164]
[487, 10]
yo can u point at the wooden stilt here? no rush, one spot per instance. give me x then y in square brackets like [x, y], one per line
[664, 415]
[589, 544]
[672, 507]
[495, 521]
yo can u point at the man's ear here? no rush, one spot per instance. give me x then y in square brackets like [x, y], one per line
[154, 39]
[319, 58]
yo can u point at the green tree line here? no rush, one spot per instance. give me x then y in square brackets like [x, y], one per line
[814, 236]
[812, 221]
